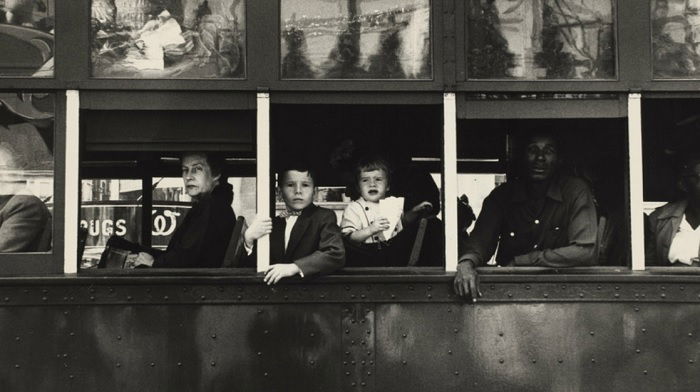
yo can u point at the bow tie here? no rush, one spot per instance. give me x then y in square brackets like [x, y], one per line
[287, 213]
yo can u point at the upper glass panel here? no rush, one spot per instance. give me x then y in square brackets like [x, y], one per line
[541, 39]
[168, 39]
[355, 39]
[26, 38]
[26, 172]
[675, 36]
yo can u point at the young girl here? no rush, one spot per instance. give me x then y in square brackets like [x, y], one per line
[366, 221]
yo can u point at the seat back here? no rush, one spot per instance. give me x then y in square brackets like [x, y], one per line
[235, 245]
[418, 244]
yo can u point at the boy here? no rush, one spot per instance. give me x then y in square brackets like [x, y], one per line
[365, 226]
[304, 239]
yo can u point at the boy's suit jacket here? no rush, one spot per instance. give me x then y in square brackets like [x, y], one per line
[315, 243]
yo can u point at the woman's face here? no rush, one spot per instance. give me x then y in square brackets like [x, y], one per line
[197, 176]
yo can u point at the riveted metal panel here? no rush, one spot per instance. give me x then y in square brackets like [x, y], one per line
[37, 349]
[536, 347]
[358, 344]
[635, 333]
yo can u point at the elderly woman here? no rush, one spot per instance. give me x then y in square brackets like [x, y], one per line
[673, 230]
[200, 241]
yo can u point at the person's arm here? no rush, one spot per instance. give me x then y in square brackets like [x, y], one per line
[582, 235]
[479, 247]
[482, 241]
[330, 255]
[259, 227]
[380, 224]
[352, 222]
[25, 221]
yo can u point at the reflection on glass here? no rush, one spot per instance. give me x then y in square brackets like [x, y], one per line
[108, 206]
[541, 39]
[676, 38]
[355, 39]
[171, 39]
[26, 38]
[26, 172]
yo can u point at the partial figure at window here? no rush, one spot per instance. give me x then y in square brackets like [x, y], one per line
[26, 173]
[25, 222]
[542, 218]
[673, 230]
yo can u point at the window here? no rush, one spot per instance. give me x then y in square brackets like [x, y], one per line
[27, 38]
[26, 172]
[151, 180]
[355, 39]
[547, 192]
[109, 207]
[671, 181]
[549, 39]
[394, 150]
[168, 39]
[675, 38]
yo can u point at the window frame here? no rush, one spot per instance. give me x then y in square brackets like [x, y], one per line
[148, 101]
[657, 270]
[46, 262]
[573, 109]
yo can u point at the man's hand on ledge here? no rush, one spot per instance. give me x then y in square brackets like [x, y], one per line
[466, 283]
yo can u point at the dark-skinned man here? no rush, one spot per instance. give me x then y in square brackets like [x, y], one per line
[543, 218]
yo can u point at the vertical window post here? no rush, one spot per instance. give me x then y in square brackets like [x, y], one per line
[263, 174]
[72, 216]
[634, 116]
[450, 180]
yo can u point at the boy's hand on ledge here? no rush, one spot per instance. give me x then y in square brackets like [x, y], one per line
[260, 227]
[278, 271]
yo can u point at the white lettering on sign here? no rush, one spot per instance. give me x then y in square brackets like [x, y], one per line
[160, 223]
[106, 227]
[163, 225]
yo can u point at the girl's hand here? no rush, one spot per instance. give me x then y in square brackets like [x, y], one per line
[380, 224]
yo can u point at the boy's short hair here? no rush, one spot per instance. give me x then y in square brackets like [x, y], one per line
[299, 166]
